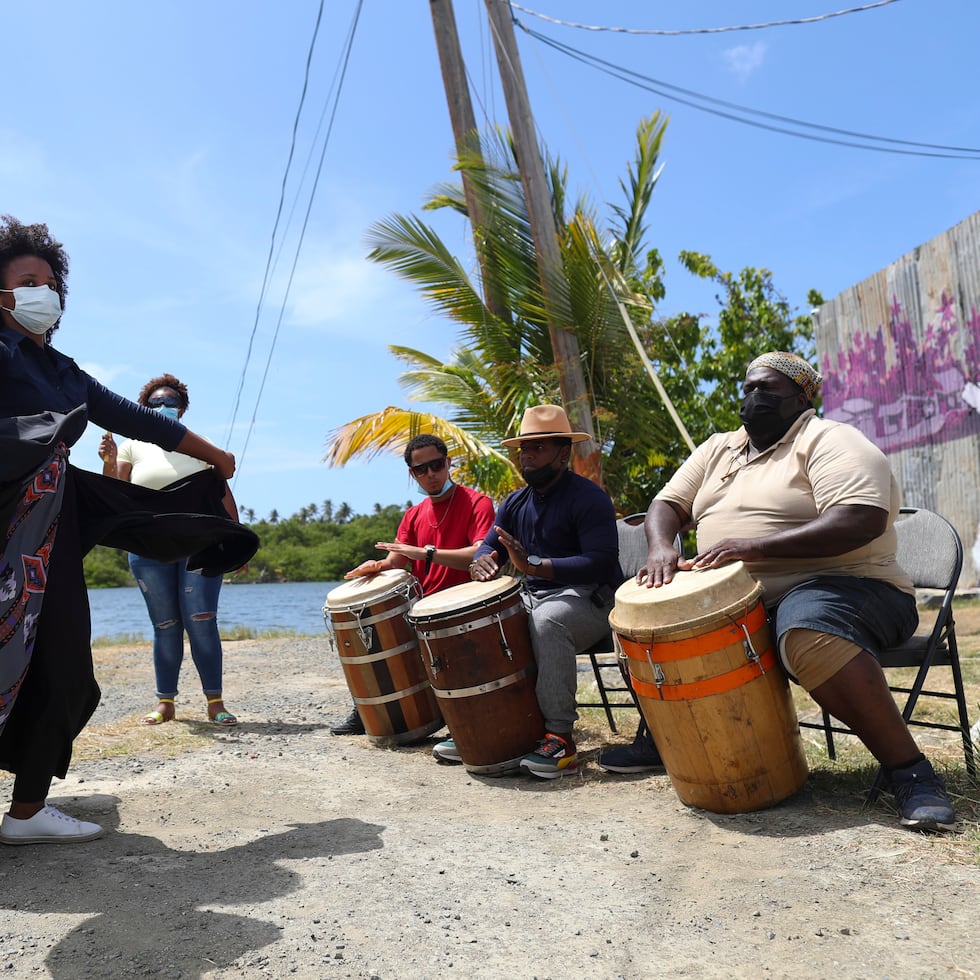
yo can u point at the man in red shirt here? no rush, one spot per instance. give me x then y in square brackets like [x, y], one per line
[437, 539]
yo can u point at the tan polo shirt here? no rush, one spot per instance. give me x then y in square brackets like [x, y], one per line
[818, 464]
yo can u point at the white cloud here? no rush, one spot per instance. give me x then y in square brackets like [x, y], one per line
[341, 291]
[106, 373]
[744, 59]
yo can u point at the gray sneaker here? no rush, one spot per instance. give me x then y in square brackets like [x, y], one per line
[922, 799]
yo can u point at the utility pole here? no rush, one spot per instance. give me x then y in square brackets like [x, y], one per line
[467, 142]
[564, 343]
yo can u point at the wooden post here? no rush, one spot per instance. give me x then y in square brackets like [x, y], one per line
[564, 343]
[467, 141]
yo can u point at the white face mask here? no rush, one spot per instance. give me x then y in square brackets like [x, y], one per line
[36, 308]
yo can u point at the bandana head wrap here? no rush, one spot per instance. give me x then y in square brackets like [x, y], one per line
[794, 367]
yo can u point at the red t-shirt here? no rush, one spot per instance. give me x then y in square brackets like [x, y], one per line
[462, 522]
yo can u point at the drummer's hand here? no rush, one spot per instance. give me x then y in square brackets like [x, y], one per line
[484, 568]
[728, 550]
[659, 568]
[515, 550]
[411, 551]
[370, 567]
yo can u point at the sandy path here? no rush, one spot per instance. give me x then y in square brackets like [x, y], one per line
[277, 850]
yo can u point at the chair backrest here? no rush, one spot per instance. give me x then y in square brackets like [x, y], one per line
[632, 544]
[929, 549]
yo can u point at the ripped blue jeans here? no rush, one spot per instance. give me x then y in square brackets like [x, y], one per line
[178, 601]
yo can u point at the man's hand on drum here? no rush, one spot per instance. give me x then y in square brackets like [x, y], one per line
[659, 568]
[370, 567]
[484, 568]
[728, 550]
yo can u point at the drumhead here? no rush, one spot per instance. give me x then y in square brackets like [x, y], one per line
[690, 598]
[368, 589]
[459, 598]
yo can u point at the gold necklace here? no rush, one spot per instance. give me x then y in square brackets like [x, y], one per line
[449, 503]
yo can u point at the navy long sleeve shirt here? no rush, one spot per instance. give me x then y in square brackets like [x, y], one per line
[573, 524]
[37, 379]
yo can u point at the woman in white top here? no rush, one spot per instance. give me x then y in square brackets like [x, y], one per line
[177, 599]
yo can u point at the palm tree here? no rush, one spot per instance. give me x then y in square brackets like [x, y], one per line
[500, 366]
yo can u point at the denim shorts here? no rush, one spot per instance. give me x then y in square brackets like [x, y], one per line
[875, 615]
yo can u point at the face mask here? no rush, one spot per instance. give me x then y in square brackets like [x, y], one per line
[761, 414]
[36, 308]
[438, 493]
[168, 412]
[539, 476]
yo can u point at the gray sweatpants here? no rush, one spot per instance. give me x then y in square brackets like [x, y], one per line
[563, 622]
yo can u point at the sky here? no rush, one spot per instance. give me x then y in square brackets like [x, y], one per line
[153, 139]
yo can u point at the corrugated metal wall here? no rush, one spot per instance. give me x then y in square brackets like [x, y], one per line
[900, 353]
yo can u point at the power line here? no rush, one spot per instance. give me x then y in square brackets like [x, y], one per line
[306, 217]
[702, 30]
[694, 99]
[275, 227]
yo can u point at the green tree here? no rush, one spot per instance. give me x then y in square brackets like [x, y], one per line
[608, 294]
[503, 364]
[107, 568]
[702, 363]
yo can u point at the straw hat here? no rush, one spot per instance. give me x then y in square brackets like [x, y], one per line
[545, 422]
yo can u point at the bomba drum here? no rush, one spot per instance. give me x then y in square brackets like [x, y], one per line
[476, 647]
[706, 677]
[379, 652]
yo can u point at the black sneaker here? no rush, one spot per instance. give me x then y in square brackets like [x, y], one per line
[640, 756]
[922, 799]
[351, 725]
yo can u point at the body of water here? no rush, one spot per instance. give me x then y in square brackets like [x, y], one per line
[277, 606]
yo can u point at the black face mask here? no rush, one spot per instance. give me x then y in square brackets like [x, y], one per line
[761, 414]
[540, 476]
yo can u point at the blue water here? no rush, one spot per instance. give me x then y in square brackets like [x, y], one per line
[295, 606]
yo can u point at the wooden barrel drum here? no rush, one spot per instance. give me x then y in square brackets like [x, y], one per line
[706, 676]
[477, 650]
[379, 653]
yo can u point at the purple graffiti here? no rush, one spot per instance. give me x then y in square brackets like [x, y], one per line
[923, 394]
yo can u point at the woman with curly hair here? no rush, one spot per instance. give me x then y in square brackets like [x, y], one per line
[177, 598]
[52, 513]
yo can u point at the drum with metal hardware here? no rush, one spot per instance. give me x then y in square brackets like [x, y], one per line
[476, 647]
[708, 683]
[379, 653]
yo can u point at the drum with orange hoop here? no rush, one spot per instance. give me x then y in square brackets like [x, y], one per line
[379, 652]
[706, 676]
[476, 647]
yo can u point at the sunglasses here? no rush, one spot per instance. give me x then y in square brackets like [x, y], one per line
[171, 401]
[433, 466]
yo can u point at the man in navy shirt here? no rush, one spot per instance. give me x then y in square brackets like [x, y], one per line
[560, 532]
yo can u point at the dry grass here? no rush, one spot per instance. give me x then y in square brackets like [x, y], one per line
[127, 737]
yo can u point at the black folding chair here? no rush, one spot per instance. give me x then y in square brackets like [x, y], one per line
[604, 655]
[930, 551]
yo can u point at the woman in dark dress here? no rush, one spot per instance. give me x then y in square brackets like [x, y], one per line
[51, 514]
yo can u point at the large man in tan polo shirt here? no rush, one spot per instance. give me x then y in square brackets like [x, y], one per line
[809, 505]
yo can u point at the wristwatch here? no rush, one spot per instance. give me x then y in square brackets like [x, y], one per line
[430, 553]
[535, 561]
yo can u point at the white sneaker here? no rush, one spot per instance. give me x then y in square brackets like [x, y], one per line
[446, 751]
[47, 826]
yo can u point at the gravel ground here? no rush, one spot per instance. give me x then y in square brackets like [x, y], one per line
[274, 849]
